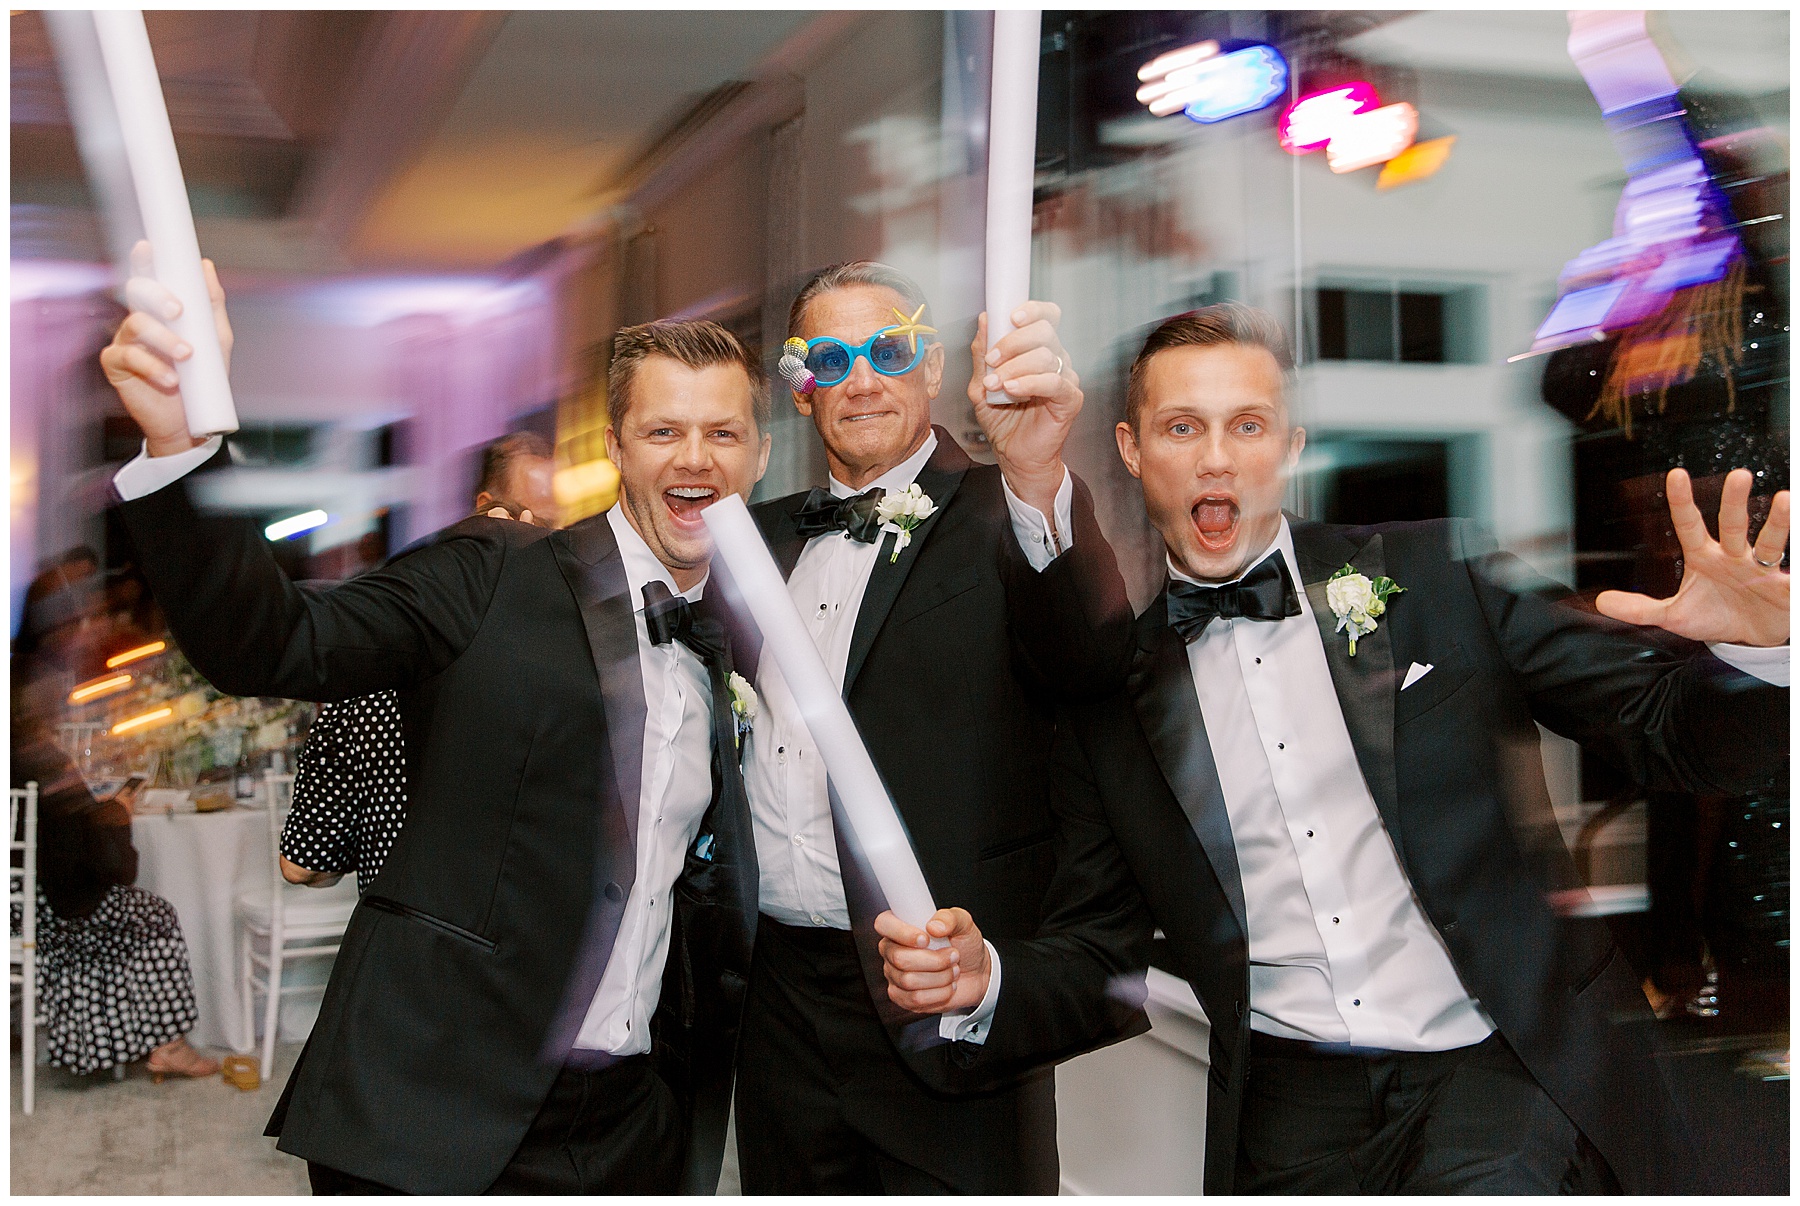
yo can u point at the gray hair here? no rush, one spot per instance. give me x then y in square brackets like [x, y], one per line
[856, 272]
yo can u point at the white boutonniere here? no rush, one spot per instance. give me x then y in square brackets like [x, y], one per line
[904, 510]
[1357, 602]
[743, 704]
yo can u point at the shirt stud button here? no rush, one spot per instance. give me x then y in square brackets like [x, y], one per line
[1259, 661]
[1357, 1001]
[1334, 921]
[798, 840]
[1309, 833]
[1281, 745]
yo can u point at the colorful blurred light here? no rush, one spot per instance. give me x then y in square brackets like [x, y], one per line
[1673, 228]
[1366, 139]
[293, 525]
[136, 655]
[1310, 122]
[1417, 162]
[1208, 86]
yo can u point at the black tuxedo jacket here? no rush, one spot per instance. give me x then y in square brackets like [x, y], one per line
[958, 647]
[1454, 766]
[466, 972]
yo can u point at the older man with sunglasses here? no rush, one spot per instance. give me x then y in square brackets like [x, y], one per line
[952, 601]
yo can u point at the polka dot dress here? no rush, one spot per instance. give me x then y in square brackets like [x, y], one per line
[349, 790]
[115, 984]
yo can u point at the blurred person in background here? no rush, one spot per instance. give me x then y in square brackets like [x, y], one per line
[1324, 779]
[114, 978]
[518, 474]
[350, 777]
[1703, 386]
[949, 637]
[497, 1019]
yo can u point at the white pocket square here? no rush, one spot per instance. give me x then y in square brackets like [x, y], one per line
[1416, 673]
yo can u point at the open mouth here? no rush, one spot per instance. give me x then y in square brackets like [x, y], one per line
[686, 502]
[1216, 522]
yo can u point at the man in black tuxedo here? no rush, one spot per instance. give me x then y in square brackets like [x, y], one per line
[946, 636]
[1324, 778]
[499, 1018]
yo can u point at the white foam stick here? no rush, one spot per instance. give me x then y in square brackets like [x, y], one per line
[866, 804]
[154, 170]
[97, 132]
[1012, 159]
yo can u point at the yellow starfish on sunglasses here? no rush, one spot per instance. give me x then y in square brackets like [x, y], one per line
[912, 328]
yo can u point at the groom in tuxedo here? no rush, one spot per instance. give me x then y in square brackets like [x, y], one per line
[947, 636]
[1323, 783]
[541, 994]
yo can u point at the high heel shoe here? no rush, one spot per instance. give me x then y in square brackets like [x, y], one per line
[179, 1059]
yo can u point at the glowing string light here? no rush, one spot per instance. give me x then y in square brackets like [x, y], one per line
[135, 655]
[99, 687]
[141, 722]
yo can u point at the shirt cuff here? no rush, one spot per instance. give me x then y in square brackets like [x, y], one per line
[973, 1026]
[1769, 664]
[1041, 545]
[146, 474]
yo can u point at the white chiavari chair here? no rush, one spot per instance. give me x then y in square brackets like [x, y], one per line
[287, 921]
[22, 891]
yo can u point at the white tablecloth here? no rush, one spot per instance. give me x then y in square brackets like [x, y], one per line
[200, 863]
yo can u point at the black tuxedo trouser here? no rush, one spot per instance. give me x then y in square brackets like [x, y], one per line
[1467, 1121]
[615, 1129]
[825, 1105]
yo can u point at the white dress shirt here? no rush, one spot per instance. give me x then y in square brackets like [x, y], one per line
[796, 850]
[1340, 948]
[674, 791]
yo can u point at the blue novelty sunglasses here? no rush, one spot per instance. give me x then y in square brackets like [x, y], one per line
[891, 351]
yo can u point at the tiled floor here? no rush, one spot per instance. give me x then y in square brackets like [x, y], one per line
[92, 1135]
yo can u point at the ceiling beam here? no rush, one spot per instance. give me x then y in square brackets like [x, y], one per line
[413, 70]
[776, 92]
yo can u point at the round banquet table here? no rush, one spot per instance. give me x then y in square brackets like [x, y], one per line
[200, 863]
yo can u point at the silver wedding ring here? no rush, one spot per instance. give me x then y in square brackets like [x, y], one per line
[1775, 564]
[1059, 366]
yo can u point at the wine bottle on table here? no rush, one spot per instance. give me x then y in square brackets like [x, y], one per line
[243, 783]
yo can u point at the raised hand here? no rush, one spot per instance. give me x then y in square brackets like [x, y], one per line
[1732, 591]
[140, 361]
[1031, 365]
[942, 980]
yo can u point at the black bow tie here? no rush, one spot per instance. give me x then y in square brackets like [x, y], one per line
[823, 512]
[1265, 593]
[670, 617]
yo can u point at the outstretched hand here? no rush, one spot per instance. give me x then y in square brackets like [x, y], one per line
[1732, 591]
[1029, 365]
[941, 980]
[140, 361]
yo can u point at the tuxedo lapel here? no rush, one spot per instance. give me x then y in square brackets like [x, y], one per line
[785, 542]
[592, 566]
[1365, 683]
[939, 479]
[1161, 686]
